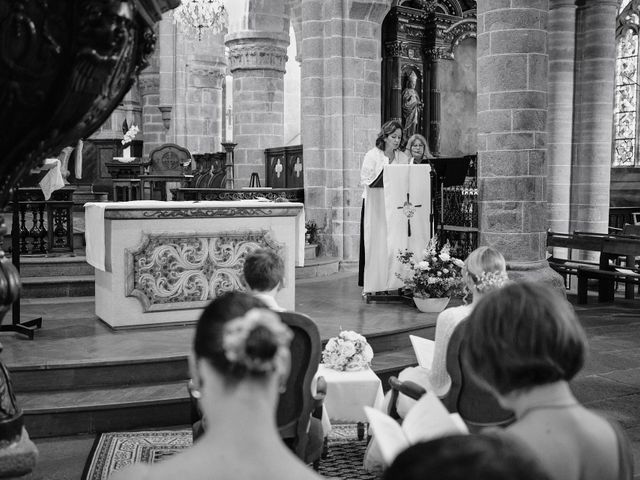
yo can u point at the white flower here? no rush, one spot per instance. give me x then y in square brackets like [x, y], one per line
[444, 256]
[351, 336]
[458, 263]
[445, 270]
[367, 353]
[347, 349]
[432, 280]
[423, 265]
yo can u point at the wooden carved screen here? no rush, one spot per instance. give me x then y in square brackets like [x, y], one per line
[418, 36]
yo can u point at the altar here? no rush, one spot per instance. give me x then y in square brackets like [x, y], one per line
[159, 263]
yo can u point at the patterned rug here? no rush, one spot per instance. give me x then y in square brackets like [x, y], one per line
[113, 451]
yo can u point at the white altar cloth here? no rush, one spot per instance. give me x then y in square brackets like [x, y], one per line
[160, 262]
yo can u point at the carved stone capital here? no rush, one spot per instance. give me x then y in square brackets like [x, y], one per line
[149, 83]
[257, 54]
[207, 74]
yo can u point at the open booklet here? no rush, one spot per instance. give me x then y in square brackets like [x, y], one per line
[423, 349]
[427, 419]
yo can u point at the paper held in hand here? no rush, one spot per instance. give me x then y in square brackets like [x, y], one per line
[427, 420]
[423, 349]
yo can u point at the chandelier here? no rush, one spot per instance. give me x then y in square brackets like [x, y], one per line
[197, 15]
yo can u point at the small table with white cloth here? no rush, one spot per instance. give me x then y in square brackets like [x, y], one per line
[348, 393]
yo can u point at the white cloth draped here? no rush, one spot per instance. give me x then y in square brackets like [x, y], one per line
[385, 223]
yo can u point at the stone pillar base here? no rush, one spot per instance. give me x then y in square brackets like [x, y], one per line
[538, 271]
[18, 459]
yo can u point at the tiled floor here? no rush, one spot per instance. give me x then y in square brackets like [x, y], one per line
[609, 382]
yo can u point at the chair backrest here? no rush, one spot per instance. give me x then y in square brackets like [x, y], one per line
[168, 159]
[296, 403]
[631, 230]
[475, 403]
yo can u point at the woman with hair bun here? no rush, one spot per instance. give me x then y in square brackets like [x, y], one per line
[525, 344]
[239, 364]
[484, 271]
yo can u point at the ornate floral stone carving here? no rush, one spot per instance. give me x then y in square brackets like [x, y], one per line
[210, 75]
[182, 271]
[253, 55]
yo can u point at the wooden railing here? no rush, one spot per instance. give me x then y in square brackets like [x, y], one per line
[42, 226]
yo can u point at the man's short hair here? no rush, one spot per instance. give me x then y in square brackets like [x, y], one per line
[522, 336]
[263, 270]
[463, 457]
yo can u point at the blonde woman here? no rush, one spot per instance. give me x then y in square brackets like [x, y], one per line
[484, 271]
[417, 149]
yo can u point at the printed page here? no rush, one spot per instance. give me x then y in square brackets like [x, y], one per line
[388, 434]
[423, 349]
[429, 419]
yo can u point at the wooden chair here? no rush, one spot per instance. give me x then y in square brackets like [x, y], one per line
[167, 170]
[299, 411]
[475, 403]
[408, 388]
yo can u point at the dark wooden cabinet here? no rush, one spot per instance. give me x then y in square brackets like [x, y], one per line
[284, 167]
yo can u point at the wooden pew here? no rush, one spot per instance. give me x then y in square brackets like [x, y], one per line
[577, 241]
[606, 274]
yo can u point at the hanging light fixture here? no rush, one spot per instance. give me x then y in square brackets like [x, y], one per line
[197, 15]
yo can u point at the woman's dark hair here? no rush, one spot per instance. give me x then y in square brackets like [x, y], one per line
[263, 270]
[387, 129]
[208, 345]
[522, 336]
[464, 457]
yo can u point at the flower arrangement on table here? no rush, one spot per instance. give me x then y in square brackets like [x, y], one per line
[349, 351]
[436, 274]
[129, 134]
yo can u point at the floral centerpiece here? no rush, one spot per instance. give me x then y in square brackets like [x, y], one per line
[435, 274]
[349, 351]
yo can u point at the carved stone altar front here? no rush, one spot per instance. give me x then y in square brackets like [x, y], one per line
[160, 262]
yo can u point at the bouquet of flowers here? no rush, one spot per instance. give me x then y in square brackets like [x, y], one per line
[129, 133]
[436, 274]
[348, 351]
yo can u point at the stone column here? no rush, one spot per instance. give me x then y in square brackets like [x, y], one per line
[153, 131]
[593, 119]
[341, 113]
[562, 31]
[512, 114]
[257, 58]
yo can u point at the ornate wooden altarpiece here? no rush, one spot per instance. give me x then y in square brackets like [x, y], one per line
[417, 35]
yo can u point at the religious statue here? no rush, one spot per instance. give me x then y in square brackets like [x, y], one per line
[411, 106]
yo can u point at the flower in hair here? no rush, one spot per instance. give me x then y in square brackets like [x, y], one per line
[488, 281]
[237, 332]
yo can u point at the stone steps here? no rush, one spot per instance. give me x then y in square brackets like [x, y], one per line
[54, 266]
[58, 286]
[154, 394]
[318, 267]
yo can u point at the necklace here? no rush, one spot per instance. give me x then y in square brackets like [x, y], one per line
[527, 411]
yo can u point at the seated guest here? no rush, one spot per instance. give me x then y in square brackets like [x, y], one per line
[264, 273]
[526, 344]
[484, 271]
[240, 362]
[464, 457]
[417, 149]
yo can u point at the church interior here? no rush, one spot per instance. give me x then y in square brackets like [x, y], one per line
[190, 140]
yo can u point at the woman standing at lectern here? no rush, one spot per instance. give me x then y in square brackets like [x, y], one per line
[384, 153]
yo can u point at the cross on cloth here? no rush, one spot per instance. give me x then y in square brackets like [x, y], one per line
[409, 210]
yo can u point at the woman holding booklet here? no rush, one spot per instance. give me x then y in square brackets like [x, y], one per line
[484, 271]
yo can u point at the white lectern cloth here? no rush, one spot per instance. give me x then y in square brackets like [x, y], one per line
[95, 233]
[385, 223]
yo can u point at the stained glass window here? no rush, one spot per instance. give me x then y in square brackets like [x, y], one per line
[625, 113]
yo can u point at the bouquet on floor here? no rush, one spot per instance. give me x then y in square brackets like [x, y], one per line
[349, 351]
[435, 274]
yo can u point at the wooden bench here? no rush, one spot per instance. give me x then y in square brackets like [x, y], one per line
[576, 241]
[613, 247]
